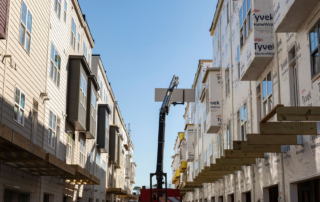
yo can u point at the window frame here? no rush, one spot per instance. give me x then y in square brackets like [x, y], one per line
[82, 152]
[93, 105]
[69, 145]
[55, 78]
[52, 129]
[268, 98]
[57, 7]
[24, 29]
[73, 33]
[243, 122]
[65, 11]
[245, 23]
[83, 92]
[315, 51]
[229, 135]
[19, 106]
[227, 82]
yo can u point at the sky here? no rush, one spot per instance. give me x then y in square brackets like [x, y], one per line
[143, 43]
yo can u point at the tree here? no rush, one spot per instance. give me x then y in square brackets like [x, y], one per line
[137, 189]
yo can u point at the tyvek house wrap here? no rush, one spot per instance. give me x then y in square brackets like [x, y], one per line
[259, 46]
[280, 9]
[190, 143]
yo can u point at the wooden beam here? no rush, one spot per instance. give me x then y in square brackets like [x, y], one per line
[237, 145]
[271, 113]
[304, 113]
[216, 173]
[260, 148]
[229, 153]
[237, 161]
[288, 128]
[257, 139]
[215, 167]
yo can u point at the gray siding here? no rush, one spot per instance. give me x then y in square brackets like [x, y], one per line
[76, 112]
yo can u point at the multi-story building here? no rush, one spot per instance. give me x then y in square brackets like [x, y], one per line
[250, 141]
[57, 109]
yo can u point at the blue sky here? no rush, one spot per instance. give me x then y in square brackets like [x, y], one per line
[143, 43]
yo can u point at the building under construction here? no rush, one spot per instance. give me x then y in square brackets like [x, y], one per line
[252, 132]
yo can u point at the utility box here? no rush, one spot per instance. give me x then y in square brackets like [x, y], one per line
[190, 142]
[212, 79]
[113, 144]
[103, 128]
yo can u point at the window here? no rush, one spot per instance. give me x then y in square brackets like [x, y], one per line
[73, 34]
[79, 37]
[65, 11]
[69, 145]
[46, 198]
[34, 121]
[238, 61]
[52, 129]
[85, 50]
[55, 65]
[228, 19]
[314, 50]
[227, 84]
[258, 93]
[19, 103]
[98, 163]
[267, 94]
[228, 136]
[91, 162]
[25, 27]
[104, 165]
[219, 146]
[107, 121]
[205, 158]
[57, 7]
[93, 105]
[245, 21]
[82, 152]
[244, 122]
[83, 91]
[211, 154]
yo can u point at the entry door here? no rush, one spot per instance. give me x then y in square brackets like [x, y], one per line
[309, 191]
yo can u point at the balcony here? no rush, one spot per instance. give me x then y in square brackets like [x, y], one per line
[103, 128]
[183, 166]
[256, 48]
[120, 163]
[113, 144]
[212, 100]
[93, 88]
[78, 74]
[289, 15]
[133, 173]
[190, 143]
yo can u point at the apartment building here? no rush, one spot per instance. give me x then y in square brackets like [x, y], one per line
[57, 109]
[249, 132]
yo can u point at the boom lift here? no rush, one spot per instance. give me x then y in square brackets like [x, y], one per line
[160, 194]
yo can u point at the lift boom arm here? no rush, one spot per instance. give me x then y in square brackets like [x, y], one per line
[164, 110]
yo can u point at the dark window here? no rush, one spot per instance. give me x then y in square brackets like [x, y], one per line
[314, 49]
[309, 191]
[46, 198]
[248, 197]
[13, 195]
[273, 194]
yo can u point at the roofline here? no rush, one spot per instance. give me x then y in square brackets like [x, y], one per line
[83, 22]
[198, 71]
[215, 18]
